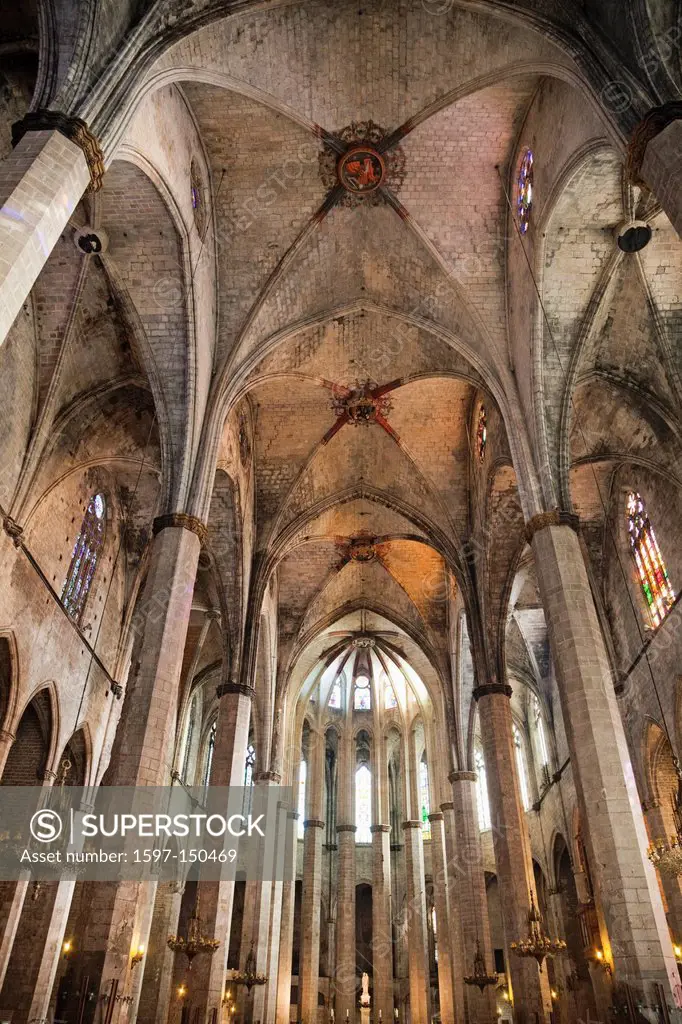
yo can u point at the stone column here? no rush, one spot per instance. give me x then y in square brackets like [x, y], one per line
[479, 1007]
[49, 963]
[454, 919]
[10, 921]
[382, 941]
[345, 923]
[215, 899]
[616, 839]
[41, 183]
[656, 158]
[286, 940]
[142, 749]
[511, 843]
[6, 741]
[441, 904]
[169, 926]
[314, 827]
[417, 936]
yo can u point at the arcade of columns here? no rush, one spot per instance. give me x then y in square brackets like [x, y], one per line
[42, 182]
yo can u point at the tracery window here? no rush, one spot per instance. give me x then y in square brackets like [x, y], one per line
[362, 700]
[484, 819]
[653, 575]
[197, 195]
[434, 929]
[524, 191]
[540, 732]
[249, 767]
[363, 804]
[303, 771]
[209, 754]
[335, 695]
[481, 434]
[84, 558]
[521, 767]
[424, 798]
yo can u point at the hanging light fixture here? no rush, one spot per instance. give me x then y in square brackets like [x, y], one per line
[195, 943]
[537, 944]
[666, 854]
[480, 977]
[249, 976]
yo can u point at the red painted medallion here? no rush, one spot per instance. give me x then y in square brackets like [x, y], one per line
[361, 170]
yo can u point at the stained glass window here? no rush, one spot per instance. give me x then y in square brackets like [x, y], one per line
[482, 792]
[540, 731]
[363, 804]
[303, 771]
[209, 754]
[362, 700]
[335, 695]
[424, 798]
[390, 699]
[524, 197]
[521, 767]
[651, 569]
[481, 434]
[84, 558]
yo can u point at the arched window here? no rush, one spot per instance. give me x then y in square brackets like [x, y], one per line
[209, 754]
[521, 767]
[302, 773]
[362, 700]
[653, 575]
[484, 820]
[249, 767]
[191, 725]
[481, 434]
[540, 732]
[335, 695]
[524, 191]
[84, 558]
[363, 804]
[390, 699]
[424, 800]
[434, 929]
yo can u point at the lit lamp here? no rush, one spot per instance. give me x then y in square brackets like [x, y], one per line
[137, 957]
[537, 945]
[600, 960]
[677, 950]
[182, 991]
[66, 948]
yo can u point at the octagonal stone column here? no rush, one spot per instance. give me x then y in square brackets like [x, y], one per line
[441, 903]
[511, 842]
[616, 839]
[417, 937]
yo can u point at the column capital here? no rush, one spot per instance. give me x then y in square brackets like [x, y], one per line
[313, 823]
[411, 824]
[180, 521]
[462, 777]
[448, 805]
[436, 816]
[72, 128]
[557, 517]
[492, 689]
[379, 828]
[268, 777]
[239, 688]
[293, 815]
[346, 828]
[651, 125]
[13, 530]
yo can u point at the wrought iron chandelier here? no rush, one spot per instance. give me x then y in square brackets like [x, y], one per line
[537, 944]
[195, 943]
[666, 854]
[249, 976]
[480, 977]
